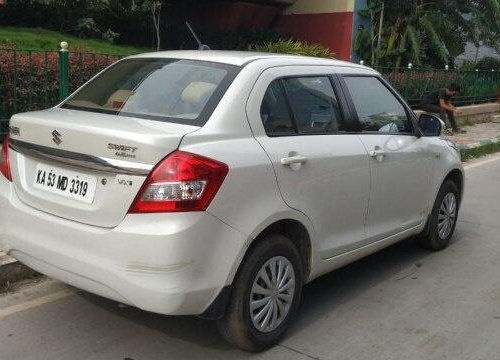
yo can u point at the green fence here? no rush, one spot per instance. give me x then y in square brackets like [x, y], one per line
[34, 80]
[414, 84]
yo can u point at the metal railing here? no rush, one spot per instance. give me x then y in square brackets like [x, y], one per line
[414, 84]
[33, 79]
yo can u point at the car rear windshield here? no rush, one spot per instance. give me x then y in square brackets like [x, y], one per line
[173, 90]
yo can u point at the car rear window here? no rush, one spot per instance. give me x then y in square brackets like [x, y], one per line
[182, 91]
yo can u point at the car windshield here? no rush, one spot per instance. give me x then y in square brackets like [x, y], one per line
[182, 91]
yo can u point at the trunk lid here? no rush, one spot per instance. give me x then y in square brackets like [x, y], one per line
[84, 166]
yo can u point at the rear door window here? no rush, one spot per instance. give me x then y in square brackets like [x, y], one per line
[183, 91]
[314, 105]
[275, 112]
[301, 105]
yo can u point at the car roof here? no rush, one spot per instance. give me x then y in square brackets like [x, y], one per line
[241, 58]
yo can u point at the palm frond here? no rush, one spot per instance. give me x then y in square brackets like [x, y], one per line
[401, 49]
[295, 47]
[491, 6]
[414, 45]
[435, 43]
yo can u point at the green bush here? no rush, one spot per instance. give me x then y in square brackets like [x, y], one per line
[484, 64]
[110, 36]
[83, 18]
[295, 47]
[240, 39]
[87, 27]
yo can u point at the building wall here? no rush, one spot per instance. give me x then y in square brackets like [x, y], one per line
[230, 16]
[331, 23]
[326, 22]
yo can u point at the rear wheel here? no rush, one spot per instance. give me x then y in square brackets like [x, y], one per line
[443, 218]
[265, 295]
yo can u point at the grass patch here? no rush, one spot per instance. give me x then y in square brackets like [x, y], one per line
[479, 151]
[41, 39]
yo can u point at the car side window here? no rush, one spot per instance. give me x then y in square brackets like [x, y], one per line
[314, 105]
[303, 105]
[274, 111]
[377, 107]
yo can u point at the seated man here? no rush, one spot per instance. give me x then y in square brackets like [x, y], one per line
[439, 102]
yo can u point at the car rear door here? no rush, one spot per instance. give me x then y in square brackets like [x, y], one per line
[321, 166]
[401, 162]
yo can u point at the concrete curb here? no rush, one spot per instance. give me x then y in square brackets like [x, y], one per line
[479, 144]
[475, 114]
[12, 270]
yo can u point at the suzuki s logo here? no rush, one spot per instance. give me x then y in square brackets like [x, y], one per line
[56, 137]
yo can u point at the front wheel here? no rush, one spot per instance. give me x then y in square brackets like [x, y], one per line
[265, 295]
[443, 218]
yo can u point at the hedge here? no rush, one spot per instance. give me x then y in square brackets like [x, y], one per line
[29, 80]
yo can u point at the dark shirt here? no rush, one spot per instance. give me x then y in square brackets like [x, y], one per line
[434, 97]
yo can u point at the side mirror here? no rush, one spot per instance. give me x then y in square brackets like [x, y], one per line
[430, 125]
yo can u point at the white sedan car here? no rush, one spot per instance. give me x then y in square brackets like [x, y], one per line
[217, 184]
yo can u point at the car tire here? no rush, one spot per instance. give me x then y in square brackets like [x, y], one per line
[243, 324]
[443, 219]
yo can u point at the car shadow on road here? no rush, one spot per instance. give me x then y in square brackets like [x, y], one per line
[322, 296]
[186, 328]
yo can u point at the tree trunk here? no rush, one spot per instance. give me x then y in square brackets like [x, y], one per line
[156, 12]
[380, 29]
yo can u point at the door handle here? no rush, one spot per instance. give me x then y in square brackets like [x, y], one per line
[377, 153]
[293, 160]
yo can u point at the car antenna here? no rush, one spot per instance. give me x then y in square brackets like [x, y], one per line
[201, 46]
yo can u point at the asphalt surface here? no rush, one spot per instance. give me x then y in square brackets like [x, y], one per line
[401, 303]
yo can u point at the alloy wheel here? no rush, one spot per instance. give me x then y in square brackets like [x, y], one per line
[447, 215]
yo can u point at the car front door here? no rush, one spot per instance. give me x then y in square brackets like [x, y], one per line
[321, 166]
[401, 162]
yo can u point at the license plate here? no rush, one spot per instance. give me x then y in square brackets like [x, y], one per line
[67, 183]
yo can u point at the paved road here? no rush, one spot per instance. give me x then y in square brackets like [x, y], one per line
[402, 303]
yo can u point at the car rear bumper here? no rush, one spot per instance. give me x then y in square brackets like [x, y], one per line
[172, 264]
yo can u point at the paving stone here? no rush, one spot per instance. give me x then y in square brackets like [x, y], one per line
[477, 135]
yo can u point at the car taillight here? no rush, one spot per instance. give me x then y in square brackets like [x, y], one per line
[180, 182]
[4, 159]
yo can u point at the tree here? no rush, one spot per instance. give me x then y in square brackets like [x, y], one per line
[156, 12]
[414, 33]
[486, 23]
[430, 32]
[367, 43]
[155, 7]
